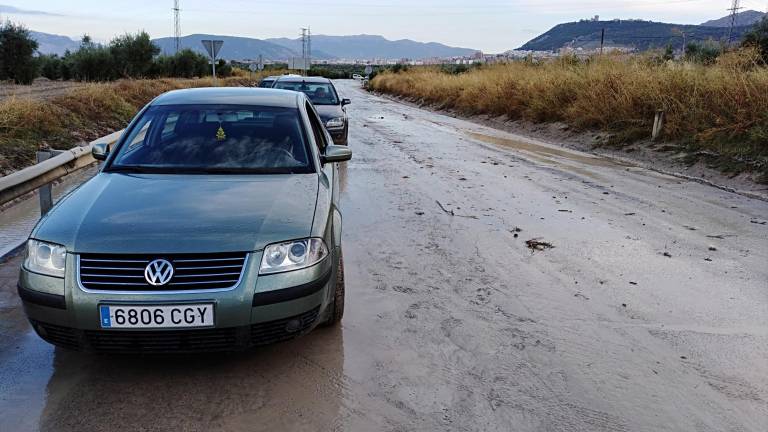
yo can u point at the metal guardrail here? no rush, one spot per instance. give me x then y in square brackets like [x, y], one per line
[50, 169]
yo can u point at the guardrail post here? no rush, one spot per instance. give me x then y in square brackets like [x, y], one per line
[46, 197]
[658, 123]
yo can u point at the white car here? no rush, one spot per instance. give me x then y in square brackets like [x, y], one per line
[357, 77]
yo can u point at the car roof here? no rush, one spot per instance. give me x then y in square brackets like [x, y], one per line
[299, 79]
[230, 96]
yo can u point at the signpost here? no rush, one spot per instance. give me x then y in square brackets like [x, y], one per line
[213, 47]
[368, 70]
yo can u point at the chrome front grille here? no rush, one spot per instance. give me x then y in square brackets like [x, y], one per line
[112, 272]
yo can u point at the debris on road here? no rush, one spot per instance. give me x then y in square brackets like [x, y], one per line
[536, 244]
[630, 214]
[419, 213]
[667, 254]
[712, 248]
[452, 213]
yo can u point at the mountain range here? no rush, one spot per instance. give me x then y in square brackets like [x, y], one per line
[323, 47]
[638, 34]
[746, 18]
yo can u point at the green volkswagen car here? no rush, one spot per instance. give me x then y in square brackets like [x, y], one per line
[213, 225]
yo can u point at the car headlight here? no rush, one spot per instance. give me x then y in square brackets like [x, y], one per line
[292, 255]
[335, 122]
[45, 258]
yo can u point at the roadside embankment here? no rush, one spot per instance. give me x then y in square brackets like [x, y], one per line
[78, 115]
[715, 114]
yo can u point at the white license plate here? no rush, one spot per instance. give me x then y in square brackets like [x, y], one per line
[158, 316]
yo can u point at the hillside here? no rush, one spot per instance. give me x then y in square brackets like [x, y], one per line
[746, 18]
[53, 44]
[371, 46]
[234, 48]
[636, 34]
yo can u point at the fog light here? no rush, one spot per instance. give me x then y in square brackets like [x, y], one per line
[293, 326]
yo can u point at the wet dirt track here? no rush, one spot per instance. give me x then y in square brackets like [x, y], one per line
[629, 323]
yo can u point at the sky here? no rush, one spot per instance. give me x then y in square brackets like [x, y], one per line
[489, 25]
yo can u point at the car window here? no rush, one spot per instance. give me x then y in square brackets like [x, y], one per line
[318, 93]
[317, 128]
[216, 138]
[137, 139]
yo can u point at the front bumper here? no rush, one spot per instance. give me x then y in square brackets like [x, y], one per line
[178, 341]
[260, 309]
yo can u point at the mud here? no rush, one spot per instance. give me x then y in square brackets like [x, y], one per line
[452, 322]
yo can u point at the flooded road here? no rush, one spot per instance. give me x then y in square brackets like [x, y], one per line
[649, 312]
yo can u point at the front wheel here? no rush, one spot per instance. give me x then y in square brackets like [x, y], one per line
[337, 307]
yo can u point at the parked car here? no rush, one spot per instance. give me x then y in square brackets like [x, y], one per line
[213, 225]
[326, 100]
[357, 77]
[268, 82]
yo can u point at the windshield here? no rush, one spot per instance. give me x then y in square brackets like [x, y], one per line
[215, 139]
[318, 93]
[266, 83]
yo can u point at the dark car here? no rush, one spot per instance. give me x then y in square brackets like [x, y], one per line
[268, 82]
[326, 100]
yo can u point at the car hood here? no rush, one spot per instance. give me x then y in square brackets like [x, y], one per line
[328, 112]
[153, 213]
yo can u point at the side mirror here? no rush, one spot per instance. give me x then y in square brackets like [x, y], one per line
[345, 102]
[100, 151]
[336, 153]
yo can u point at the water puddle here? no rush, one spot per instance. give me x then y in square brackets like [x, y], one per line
[551, 155]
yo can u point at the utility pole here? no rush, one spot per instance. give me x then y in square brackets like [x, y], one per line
[176, 25]
[306, 49]
[735, 7]
[602, 40]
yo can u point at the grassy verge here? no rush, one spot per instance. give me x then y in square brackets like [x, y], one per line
[81, 114]
[718, 111]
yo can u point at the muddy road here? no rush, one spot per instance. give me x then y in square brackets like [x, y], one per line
[649, 312]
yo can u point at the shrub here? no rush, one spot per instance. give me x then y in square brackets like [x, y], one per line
[758, 38]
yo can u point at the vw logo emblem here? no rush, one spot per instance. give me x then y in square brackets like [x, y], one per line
[158, 272]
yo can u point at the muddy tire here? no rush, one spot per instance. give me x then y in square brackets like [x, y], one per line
[337, 307]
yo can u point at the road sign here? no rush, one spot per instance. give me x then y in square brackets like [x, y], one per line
[213, 47]
[297, 63]
[368, 70]
[253, 67]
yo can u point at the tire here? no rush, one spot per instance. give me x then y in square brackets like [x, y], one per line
[337, 307]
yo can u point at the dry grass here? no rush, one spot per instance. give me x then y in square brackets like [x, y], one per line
[721, 108]
[81, 114]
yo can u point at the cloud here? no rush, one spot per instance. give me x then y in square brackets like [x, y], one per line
[16, 11]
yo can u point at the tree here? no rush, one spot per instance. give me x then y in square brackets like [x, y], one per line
[91, 62]
[132, 54]
[758, 37]
[50, 66]
[17, 49]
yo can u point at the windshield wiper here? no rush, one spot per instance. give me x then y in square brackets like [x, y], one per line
[130, 169]
[232, 170]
